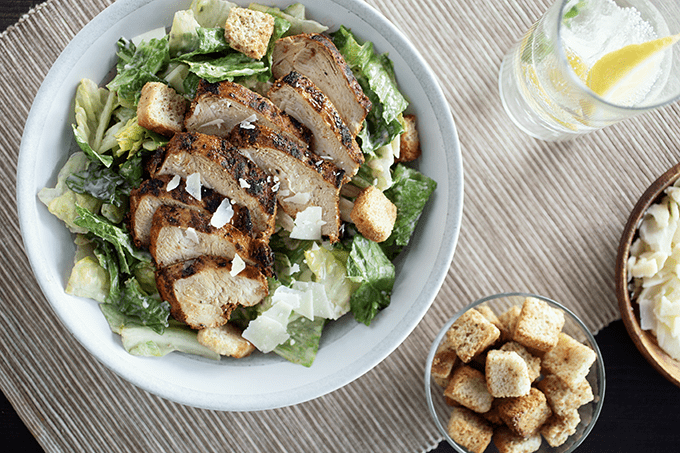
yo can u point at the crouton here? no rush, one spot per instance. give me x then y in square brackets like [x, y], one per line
[225, 340]
[508, 442]
[507, 374]
[558, 428]
[492, 415]
[569, 360]
[469, 430]
[538, 325]
[524, 415]
[491, 316]
[533, 362]
[468, 387]
[509, 321]
[161, 109]
[443, 362]
[374, 214]
[471, 334]
[249, 31]
[409, 142]
[563, 398]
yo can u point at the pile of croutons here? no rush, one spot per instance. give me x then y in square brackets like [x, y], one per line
[515, 378]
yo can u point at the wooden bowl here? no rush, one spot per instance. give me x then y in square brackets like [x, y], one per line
[644, 340]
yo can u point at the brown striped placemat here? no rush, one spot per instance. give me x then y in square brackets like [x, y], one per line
[538, 217]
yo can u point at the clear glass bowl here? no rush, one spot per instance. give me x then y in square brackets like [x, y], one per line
[573, 326]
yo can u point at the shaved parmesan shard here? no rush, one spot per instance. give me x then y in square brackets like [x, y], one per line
[265, 333]
[243, 183]
[269, 330]
[222, 215]
[308, 224]
[216, 122]
[300, 198]
[237, 265]
[194, 185]
[174, 183]
[248, 122]
[192, 235]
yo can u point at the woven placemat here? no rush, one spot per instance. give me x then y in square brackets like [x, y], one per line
[538, 217]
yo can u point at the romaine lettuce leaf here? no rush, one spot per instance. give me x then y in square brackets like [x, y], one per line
[61, 201]
[208, 41]
[211, 13]
[138, 65]
[226, 67]
[93, 109]
[303, 344]
[183, 36]
[410, 192]
[144, 341]
[88, 279]
[375, 74]
[128, 254]
[295, 15]
[329, 269]
[368, 266]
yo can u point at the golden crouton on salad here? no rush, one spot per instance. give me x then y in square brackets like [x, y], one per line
[374, 214]
[249, 31]
[409, 142]
[161, 109]
[226, 340]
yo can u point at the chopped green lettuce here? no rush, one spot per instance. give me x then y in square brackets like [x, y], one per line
[329, 269]
[410, 192]
[88, 279]
[375, 74]
[211, 13]
[183, 36]
[138, 65]
[227, 67]
[143, 341]
[303, 344]
[61, 201]
[93, 109]
[368, 266]
[117, 236]
[295, 15]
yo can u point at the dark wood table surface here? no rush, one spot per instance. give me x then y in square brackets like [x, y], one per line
[641, 412]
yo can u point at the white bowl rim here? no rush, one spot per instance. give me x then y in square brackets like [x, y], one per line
[26, 202]
[435, 344]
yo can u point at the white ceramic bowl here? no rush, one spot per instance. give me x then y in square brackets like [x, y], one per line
[348, 349]
[573, 326]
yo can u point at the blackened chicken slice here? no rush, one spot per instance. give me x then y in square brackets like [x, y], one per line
[223, 169]
[298, 96]
[305, 179]
[155, 192]
[218, 107]
[179, 234]
[315, 56]
[202, 292]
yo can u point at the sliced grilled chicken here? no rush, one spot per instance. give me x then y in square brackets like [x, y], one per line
[315, 56]
[218, 107]
[155, 192]
[179, 234]
[202, 292]
[224, 170]
[298, 96]
[305, 179]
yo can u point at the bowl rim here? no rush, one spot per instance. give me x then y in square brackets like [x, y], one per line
[644, 340]
[600, 370]
[363, 363]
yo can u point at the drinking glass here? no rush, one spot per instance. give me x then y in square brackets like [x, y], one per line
[547, 83]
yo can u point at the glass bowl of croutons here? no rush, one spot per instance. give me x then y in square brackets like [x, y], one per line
[514, 372]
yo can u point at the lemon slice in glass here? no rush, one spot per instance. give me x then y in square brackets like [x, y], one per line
[622, 75]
